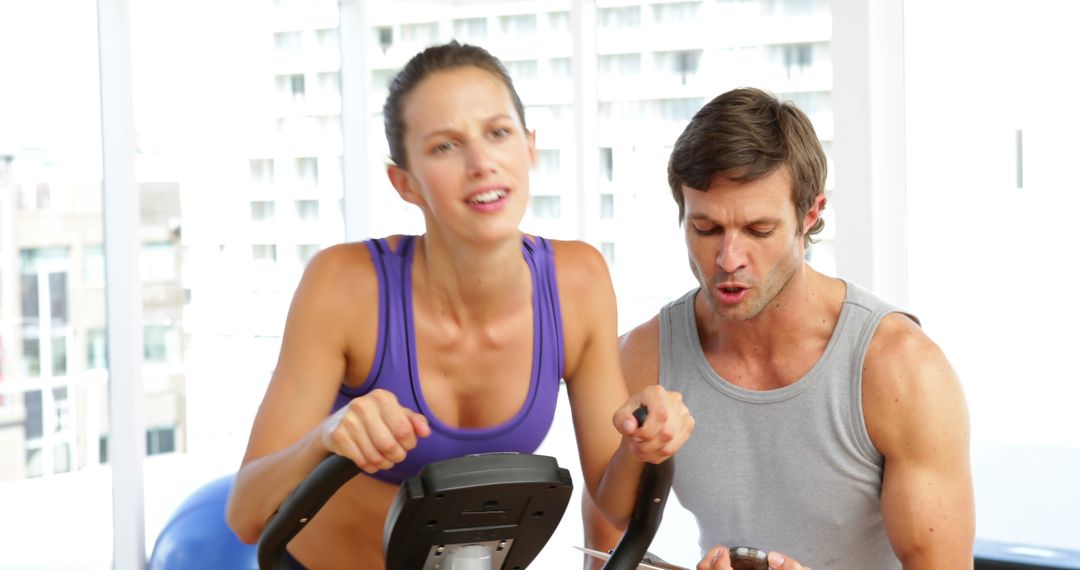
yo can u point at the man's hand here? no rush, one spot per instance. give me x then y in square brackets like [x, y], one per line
[719, 558]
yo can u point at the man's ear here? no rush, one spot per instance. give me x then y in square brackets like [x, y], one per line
[404, 184]
[814, 213]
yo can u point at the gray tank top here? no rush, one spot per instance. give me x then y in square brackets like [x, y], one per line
[792, 469]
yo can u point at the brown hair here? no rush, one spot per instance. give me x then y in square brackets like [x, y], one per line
[743, 135]
[444, 57]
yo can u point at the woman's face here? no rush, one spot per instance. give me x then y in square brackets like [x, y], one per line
[468, 154]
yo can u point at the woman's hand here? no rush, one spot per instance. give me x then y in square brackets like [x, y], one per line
[666, 428]
[373, 430]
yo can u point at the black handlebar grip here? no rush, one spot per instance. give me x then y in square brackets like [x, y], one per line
[298, 508]
[648, 511]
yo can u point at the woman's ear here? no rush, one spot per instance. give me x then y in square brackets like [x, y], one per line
[531, 136]
[404, 184]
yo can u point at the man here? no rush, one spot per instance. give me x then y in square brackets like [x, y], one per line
[830, 429]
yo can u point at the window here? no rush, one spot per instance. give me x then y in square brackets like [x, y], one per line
[29, 297]
[607, 248]
[426, 33]
[307, 171]
[62, 458]
[58, 298]
[329, 83]
[619, 65]
[794, 7]
[619, 18]
[559, 22]
[291, 86]
[548, 162]
[683, 64]
[327, 37]
[797, 58]
[305, 251]
[156, 343]
[523, 70]
[381, 78]
[262, 210]
[34, 465]
[518, 25]
[34, 424]
[470, 28]
[62, 409]
[264, 252]
[31, 357]
[607, 206]
[545, 207]
[676, 13]
[560, 67]
[158, 262]
[607, 165]
[386, 37]
[261, 170]
[680, 110]
[96, 350]
[160, 440]
[59, 356]
[626, 110]
[288, 41]
[307, 209]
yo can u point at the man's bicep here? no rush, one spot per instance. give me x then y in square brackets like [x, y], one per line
[928, 510]
[917, 418]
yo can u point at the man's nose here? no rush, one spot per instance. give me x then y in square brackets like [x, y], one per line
[732, 254]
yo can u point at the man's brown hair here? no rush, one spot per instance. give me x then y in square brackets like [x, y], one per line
[743, 135]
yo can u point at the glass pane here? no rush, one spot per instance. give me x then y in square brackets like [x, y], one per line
[53, 397]
[237, 181]
[992, 194]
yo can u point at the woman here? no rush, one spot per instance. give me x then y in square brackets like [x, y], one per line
[452, 342]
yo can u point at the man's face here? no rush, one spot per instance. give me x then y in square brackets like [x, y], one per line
[744, 242]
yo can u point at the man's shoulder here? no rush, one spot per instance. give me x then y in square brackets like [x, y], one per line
[645, 336]
[639, 354]
[900, 341]
[906, 379]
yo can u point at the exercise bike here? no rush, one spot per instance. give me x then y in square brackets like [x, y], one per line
[480, 512]
[491, 511]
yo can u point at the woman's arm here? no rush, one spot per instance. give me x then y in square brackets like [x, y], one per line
[330, 330]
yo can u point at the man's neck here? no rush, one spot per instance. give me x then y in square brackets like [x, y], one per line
[778, 345]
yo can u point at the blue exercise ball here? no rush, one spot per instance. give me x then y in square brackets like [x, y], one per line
[197, 537]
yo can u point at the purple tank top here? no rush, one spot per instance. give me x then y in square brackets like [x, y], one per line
[395, 365]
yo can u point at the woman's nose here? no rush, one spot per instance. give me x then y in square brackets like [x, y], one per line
[480, 162]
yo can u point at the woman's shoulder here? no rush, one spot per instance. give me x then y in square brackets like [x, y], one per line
[577, 257]
[346, 267]
[581, 271]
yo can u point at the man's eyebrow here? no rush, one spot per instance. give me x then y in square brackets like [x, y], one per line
[767, 220]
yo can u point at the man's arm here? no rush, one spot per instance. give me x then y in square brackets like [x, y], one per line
[917, 418]
[639, 357]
